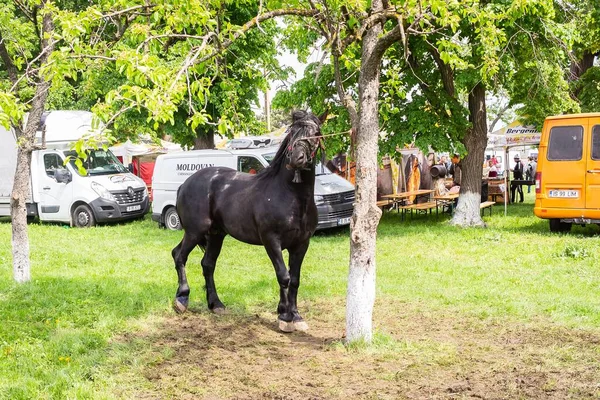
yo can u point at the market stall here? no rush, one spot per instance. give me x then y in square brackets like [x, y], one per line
[512, 137]
[142, 156]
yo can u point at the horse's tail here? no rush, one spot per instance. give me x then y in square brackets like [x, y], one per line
[177, 195]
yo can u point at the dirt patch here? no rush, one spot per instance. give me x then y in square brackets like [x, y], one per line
[420, 355]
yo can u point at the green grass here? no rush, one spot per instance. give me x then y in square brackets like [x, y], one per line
[59, 333]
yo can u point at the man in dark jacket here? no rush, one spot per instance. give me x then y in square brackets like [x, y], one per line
[456, 170]
[517, 175]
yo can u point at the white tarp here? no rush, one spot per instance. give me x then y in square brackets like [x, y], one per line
[127, 150]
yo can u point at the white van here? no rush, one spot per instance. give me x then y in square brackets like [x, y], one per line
[107, 192]
[334, 196]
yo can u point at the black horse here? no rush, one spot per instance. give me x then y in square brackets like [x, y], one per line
[275, 209]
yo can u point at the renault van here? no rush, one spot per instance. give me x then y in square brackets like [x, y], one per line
[107, 191]
[567, 182]
[334, 196]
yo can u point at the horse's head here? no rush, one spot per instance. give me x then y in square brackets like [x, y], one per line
[304, 140]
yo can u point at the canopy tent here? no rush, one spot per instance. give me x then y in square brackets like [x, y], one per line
[127, 150]
[513, 135]
[143, 155]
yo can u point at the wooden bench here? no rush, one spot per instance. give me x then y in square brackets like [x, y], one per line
[384, 203]
[486, 204]
[418, 207]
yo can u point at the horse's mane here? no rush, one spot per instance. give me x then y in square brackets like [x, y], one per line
[301, 120]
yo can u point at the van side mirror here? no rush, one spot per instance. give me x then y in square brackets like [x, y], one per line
[130, 167]
[63, 175]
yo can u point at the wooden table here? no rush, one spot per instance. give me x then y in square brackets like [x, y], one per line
[399, 199]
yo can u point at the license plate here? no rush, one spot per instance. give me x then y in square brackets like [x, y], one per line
[344, 221]
[565, 194]
[134, 208]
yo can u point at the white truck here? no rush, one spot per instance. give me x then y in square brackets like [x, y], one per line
[107, 192]
[334, 196]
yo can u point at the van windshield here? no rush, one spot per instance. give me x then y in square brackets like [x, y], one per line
[269, 157]
[98, 162]
[320, 169]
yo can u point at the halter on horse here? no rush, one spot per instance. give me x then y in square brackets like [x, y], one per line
[275, 209]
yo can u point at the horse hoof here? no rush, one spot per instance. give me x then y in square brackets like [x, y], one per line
[179, 307]
[286, 327]
[219, 310]
[301, 326]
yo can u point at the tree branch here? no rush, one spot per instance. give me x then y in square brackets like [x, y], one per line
[367, 23]
[43, 85]
[10, 66]
[250, 24]
[174, 36]
[445, 70]
[498, 117]
[346, 100]
[127, 10]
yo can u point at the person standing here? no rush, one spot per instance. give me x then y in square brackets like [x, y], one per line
[444, 161]
[517, 175]
[456, 172]
[530, 172]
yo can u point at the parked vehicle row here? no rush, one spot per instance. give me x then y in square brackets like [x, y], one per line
[567, 179]
[109, 192]
[59, 192]
[334, 196]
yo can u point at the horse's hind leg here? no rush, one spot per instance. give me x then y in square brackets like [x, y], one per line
[209, 263]
[180, 255]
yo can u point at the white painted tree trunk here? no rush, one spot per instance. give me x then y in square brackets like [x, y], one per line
[18, 211]
[467, 211]
[361, 277]
[26, 145]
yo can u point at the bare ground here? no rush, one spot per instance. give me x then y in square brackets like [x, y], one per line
[422, 354]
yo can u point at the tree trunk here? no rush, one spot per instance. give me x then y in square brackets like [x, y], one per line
[467, 211]
[361, 277]
[204, 140]
[26, 144]
[580, 67]
[18, 211]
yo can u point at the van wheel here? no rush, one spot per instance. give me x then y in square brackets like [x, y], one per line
[83, 217]
[172, 221]
[557, 226]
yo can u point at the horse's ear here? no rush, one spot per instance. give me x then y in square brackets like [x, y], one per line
[323, 117]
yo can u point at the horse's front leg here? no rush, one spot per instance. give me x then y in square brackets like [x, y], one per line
[180, 255]
[286, 323]
[296, 258]
[209, 262]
